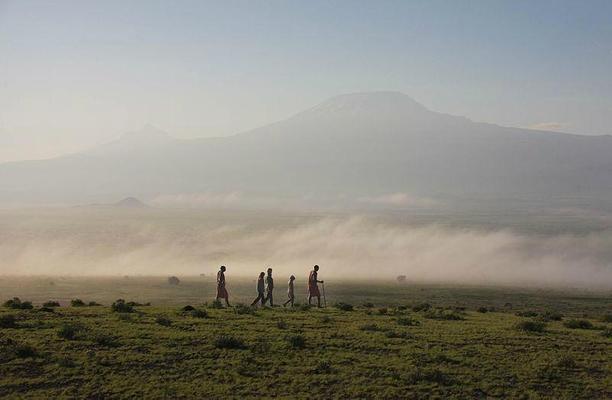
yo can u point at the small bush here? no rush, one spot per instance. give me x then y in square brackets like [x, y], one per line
[243, 309]
[69, 331]
[607, 333]
[369, 328]
[163, 320]
[531, 326]
[368, 305]
[382, 311]
[229, 342]
[199, 314]
[483, 310]
[17, 304]
[25, 351]
[578, 324]
[444, 315]
[281, 324]
[216, 304]
[527, 314]
[187, 308]
[93, 304]
[344, 306]
[8, 321]
[46, 309]
[567, 362]
[421, 307]
[77, 303]
[297, 341]
[51, 304]
[407, 321]
[391, 334]
[121, 307]
[106, 340]
[551, 316]
[323, 367]
[173, 280]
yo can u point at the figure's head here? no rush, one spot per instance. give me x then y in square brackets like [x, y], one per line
[261, 274]
[292, 278]
[269, 271]
[223, 268]
[316, 267]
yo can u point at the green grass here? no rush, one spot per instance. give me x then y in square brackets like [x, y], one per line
[325, 353]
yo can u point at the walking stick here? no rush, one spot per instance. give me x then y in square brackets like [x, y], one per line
[324, 298]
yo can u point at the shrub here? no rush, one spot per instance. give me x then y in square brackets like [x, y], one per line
[578, 324]
[444, 315]
[607, 318]
[46, 309]
[382, 311]
[25, 351]
[51, 304]
[368, 305]
[8, 321]
[607, 333]
[344, 306]
[531, 326]
[483, 310]
[199, 314]
[229, 342]
[323, 367]
[121, 307]
[216, 304]
[69, 331]
[369, 327]
[296, 341]
[421, 307]
[173, 280]
[163, 320]
[391, 334]
[243, 309]
[93, 304]
[551, 316]
[17, 304]
[106, 340]
[281, 324]
[407, 321]
[401, 278]
[187, 308]
[567, 362]
[528, 314]
[77, 303]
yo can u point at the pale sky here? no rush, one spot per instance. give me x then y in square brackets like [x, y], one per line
[78, 73]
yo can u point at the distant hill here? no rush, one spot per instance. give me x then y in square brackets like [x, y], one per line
[130, 202]
[352, 146]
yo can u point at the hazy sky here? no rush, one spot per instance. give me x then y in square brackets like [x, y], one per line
[77, 73]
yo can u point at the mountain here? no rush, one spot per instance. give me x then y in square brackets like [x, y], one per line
[352, 146]
[130, 202]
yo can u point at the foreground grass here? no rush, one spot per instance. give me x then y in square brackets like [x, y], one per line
[370, 352]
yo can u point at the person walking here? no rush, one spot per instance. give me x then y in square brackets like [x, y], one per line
[260, 290]
[290, 292]
[313, 287]
[221, 290]
[269, 288]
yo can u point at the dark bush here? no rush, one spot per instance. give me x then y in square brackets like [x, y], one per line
[136, 304]
[578, 324]
[528, 314]
[199, 314]
[163, 320]
[444, 315]
[69, 331]
[281, 324]
[229, 342]
[243, 309]
[421, 307]
[46, 309]
[344, 306]
[187, 308]
[607, 333]
[551, 316]
[296, 341]
[51, 304]
[531, 326]
[121, 307]
[216, 304]
[368, 305]
[77, 303]
[382, 311]
[25, 351]
[483, 310]
[106, 340]
[391, 334]
[93, 304]
[173, 280]
[17, 304]
[370, 327]
[323, 367]
[407, 321]
[8, 321]
[567, 362]
[401, 278]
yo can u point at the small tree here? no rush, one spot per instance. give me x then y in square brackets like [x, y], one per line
[173, 280]
[401, 278]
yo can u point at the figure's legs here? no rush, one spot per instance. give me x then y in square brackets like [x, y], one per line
[319, 301]
[309, 300]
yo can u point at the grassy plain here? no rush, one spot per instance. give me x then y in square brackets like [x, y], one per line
[395, 347]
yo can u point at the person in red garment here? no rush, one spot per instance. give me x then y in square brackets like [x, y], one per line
[221, 290]
[313, 287]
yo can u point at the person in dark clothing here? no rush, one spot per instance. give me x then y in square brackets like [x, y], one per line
[221, 290]
[313, 286]
[260, 290]
[290, 292]
[269, 288]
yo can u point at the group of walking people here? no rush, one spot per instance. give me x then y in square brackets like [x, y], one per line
[265, 288]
